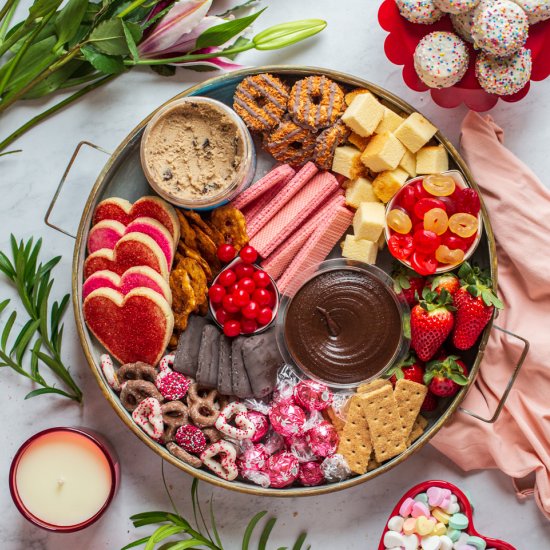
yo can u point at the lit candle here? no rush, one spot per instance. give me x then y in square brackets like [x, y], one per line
[63, 479]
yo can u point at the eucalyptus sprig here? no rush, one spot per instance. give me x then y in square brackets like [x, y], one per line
[202, 536]
[42, 333]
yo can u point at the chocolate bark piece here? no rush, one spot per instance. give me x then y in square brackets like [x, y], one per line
[239, 377]
[262, 360]
[207, 373]
[224, 366]
[187, 352]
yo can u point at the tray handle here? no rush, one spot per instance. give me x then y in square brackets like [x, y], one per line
[62, 182]
[510, 384]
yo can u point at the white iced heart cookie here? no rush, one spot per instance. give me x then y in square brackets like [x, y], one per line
[225, 467]
[148, 416]
[244, 428]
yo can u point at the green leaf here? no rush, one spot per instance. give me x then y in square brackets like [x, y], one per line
[4, 304]
[214, 525]
[68, 20]
[107, 64]
[7, 329]
[250, 529]
[41, 8]
[130, 40]
[164, 70]
[138, 542]
[220, 34]
[182, 545]
[163, 533]
[6, 266]
[460, 379]
[264, 537]
[241, 41]
[24, 338]
[53, 82]
[285, 34]
[34, 359]
[300, 541]
[108, 37]
[42, 391]
[47, 267]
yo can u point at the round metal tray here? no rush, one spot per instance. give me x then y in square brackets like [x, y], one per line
[122, 176]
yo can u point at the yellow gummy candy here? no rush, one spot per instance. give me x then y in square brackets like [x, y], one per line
[424, 526]
[409, 526]
[439, 529]
[440, 515]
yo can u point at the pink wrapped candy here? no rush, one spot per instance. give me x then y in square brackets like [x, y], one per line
[312, 395]
[261, 424]
[311, 474]
[322, 439]
[282, 469]
[287, 418]
[300, 448]
[252, 459]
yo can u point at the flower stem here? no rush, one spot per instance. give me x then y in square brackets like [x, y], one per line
[135, 4]
[6, 15]
[57, 107]
[190, 57]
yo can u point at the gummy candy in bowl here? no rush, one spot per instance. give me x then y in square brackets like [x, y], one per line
[404, 36]
[421, 492]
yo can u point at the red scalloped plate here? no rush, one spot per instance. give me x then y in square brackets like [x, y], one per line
[465, 508]
[404, 36]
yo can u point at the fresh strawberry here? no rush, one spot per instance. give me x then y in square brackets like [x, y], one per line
[431, 322]
[409, 369]
[475, 303]
[445, 377]
[409, 283]
[447, 281]
[430, 403]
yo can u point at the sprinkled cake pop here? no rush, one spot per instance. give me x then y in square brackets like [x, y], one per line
[463, 23]
[504, 75]
[456, 6]
[419, 11]
[500, 28]
[441, 59]
[536, 10]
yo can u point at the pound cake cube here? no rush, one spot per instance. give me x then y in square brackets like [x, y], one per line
[415, 132]
[358, 191]
[363, 115]
[386, 184]
[350, 96]
[359, 141]
[408, 163]
[345, 158]
[369, 220]
[382, 241]
[390, 121]
[359, 249]
[384, 152]
[432, 160]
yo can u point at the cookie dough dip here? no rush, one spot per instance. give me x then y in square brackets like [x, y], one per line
[197, 153]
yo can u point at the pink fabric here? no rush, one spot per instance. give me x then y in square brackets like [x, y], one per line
[519, 209]
[280, 259]
[304, 203]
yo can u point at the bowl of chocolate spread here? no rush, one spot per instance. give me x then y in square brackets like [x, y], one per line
[344, 325]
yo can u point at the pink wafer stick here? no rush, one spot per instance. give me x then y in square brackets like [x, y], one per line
[315, 250]
[304, 203]
[286, 193]
[254, 208]
[280, 258]
[280, 174]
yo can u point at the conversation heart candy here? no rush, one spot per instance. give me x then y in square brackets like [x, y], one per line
[440, 515]
[410, 542]
[393, 539]
[430, 543]
[406, 508]
[420, 509]
[439, 529]
[424, 526]
[458, 521]
[396, 523]
[436, 496]
[409, 526]
[446, 543]
[477, 542]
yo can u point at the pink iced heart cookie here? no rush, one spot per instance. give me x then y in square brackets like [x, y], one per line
[244, 427]
[123, 211]
[226, 465]
[148, 416]
[134, 277]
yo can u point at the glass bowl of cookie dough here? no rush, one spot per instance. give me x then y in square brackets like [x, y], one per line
[197, 153]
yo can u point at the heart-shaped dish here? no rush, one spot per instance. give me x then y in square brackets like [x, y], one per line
[465, 508]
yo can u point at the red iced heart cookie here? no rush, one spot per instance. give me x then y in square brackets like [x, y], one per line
[132, 328]
[124, 212]
[106, 233]
[134, 249]
[135, 277]
[465, 508]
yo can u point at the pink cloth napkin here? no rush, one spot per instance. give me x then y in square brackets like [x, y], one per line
[519, 209]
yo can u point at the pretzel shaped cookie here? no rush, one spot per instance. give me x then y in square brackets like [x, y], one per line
[174, 415]
[183, 455]
[135, 391]
[148, 416]
[137, 371]
[226, 466]
[244, 427]
[109, 372]
[166, 363]
[204, 407]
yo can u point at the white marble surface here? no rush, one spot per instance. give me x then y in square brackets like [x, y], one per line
[353, 42]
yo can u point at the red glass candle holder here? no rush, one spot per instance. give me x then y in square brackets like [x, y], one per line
[100, 444]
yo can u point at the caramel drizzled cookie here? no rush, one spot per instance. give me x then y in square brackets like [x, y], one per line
[316, 102]
[327, 141]
[290, 143]
[261, 101]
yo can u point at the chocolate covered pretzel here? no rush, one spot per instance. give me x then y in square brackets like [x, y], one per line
[204, 405]
[137, 371]
[174, 415]
[183, 455]
[135, 391]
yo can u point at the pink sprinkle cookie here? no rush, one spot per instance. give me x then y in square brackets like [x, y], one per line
[226, 466]
[424, 12]
[441, 59]
[172, 385]
[456, 6]
[536, 10]
[244, 427]
[463, 24]
[148, 416]
[504, 75]
[500, 27]
[190, 439]
[109, 372]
